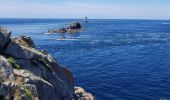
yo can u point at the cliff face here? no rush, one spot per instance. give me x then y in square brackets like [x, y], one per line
[30, 74]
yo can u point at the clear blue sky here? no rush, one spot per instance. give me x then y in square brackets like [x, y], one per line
[102, 9]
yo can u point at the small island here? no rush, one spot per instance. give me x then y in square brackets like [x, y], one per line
[72, 28]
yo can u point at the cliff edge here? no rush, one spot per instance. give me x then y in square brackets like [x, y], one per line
[30, 74]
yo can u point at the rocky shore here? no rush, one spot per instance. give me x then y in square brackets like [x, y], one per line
[30, 74]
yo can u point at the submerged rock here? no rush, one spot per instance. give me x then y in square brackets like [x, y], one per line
[28, 74]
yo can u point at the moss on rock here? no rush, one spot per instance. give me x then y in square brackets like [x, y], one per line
[12, 62]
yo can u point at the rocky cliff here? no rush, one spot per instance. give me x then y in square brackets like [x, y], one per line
[30, 74]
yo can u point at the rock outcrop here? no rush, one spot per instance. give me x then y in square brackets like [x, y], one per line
[4, 37]
[82, 95]
[24, 40]
[30, 74]
[72, 28]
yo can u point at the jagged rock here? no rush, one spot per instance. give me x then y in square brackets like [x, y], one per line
[6, 72]
[44, 52]
[28, 40]
[45, 90]
[21, 52]
[15, 91]
[72, 28]
[8, 88]
[75, 26]
[24, 41]
[39, 76]
[80, 94]
[33, 90]
[4, 37]
[62, 83]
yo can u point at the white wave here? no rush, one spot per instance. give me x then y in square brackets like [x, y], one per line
[166, 23]
[50, 33]
[65, 39]
[47, 33]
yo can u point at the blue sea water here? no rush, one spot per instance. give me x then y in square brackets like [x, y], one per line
[112, 59]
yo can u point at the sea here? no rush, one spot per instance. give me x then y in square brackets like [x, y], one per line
[114, 59]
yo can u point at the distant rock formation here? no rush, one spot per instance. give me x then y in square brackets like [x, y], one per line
[30, 74]
[72, 28]
[75, 26]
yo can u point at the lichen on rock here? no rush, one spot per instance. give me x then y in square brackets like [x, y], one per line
[24, 41]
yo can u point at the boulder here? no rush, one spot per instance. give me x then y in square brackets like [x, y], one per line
[21, 52]
[4, 37]
[24, 41]
[81, 94]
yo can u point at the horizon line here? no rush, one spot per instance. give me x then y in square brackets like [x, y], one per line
[88, 19]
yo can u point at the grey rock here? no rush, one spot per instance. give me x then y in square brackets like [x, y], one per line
[21, 52]
[32, 65]
[72, 28]
[28, 40]
[33, 90]
[24, 41]
[9, 88]
[6, 71]
[69, 80]
[39, 76]
[44, 52]
[45, 90]
[4, 37]
[59, 84]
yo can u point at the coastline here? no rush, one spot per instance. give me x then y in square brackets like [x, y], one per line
[26, 72]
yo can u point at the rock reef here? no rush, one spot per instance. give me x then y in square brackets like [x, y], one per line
[72, 28]
[30, 74]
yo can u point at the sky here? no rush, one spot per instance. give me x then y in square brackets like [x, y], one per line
[94, 9]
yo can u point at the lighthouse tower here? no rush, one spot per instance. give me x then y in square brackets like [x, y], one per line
[86, 20]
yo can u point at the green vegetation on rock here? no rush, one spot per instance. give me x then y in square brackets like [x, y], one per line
[12, 62]
[28, 93]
